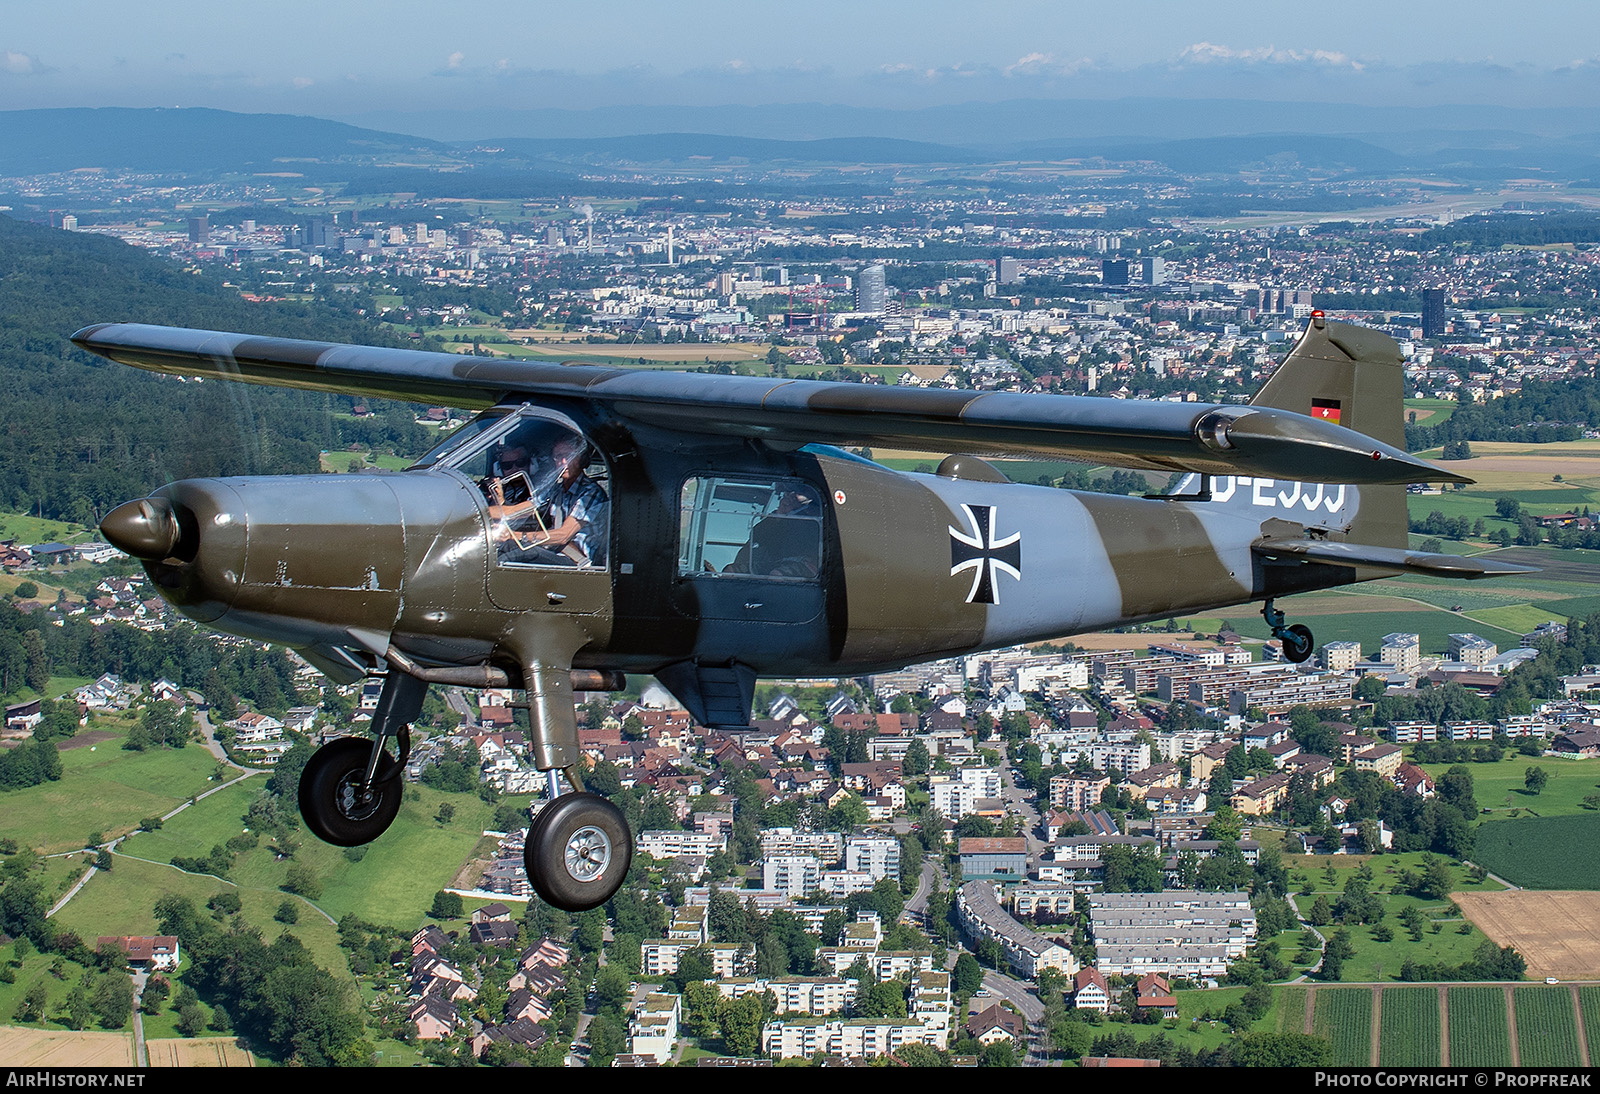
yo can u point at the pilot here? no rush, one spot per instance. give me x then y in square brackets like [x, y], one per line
[571, 515]
[509, 458]
[787, 542]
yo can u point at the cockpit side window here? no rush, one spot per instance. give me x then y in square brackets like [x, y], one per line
[769, 529]
[547, 491]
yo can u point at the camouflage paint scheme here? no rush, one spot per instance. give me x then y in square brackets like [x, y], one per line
[353, 570]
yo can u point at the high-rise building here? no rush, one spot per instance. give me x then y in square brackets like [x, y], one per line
[1114, 271]
[1154, 270]
[199, 229]
[1433, 313]
[1006, 272]
[872, 293]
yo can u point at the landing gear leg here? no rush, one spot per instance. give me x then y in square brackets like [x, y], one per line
[1297, 640]
[350, 790]
[579, 848]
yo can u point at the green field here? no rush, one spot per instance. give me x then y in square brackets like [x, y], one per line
[39, 530]
[1288, 1014]
[1408, 1027]
[103, 789]
[1345, 1019]
[1537, 852]
[1589, 1011]
[394, 882]
[1479, 1033]
[1501, 786]
[1547, 1030]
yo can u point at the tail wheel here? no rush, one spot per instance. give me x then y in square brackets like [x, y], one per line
[578, 852]
[1297, 643]
[336, 807]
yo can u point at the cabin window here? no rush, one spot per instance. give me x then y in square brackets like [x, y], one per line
[764, 528]
[547, 491]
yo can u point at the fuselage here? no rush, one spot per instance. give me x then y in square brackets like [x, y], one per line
[882, 568]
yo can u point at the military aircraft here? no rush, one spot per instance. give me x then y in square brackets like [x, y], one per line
[591, 522]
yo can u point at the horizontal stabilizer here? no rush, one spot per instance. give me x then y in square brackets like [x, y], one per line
[1263, 441]
[1397, 559]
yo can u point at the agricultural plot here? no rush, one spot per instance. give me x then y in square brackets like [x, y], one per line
[1408, 1027]
[1479, 1033]
[1344, 1017]
[1535, 852]
[197, 1052]
[1290, 1011]
[1554, 932]
[1547, 1029]
[26, 1047]
[1589, 1014]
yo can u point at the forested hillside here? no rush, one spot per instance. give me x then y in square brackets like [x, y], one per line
[81, 435]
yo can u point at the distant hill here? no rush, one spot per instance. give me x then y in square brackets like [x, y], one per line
[681, 147]
[191, 140]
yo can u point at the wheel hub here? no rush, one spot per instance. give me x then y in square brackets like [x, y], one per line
[353, 803]
[588, 853]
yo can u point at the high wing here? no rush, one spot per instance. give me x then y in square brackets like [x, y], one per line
[1156, 436]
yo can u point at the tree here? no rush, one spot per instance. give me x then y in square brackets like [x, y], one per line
[113, 999]
[446, 905]
[968, 975]
[31, 1007]
[446, 813]
[740, 1021]
[288, 913]
[916, 759]
[885, 999]
[1281, 1050]
[303, 879]
[700, 1002]
[612, 989]
[1535, 779]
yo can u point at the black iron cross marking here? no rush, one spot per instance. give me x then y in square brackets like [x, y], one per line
[984, 554]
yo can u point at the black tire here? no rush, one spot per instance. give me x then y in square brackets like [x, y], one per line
[328, 794]
[578, 852]
[1297, 643]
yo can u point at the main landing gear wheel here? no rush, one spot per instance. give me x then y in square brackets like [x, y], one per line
[336, 806]
[1297, 640]
[1297, 643]
[578, 852]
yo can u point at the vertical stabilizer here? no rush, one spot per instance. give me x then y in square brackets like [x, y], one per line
[1354, 377]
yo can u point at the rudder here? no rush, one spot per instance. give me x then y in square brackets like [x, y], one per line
[1353, 376]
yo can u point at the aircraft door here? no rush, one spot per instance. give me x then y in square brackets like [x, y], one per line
[547, 496]
[750, 549]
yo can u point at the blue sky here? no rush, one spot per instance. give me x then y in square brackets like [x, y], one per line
[346, 57]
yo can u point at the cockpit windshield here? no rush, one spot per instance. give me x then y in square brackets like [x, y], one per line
[545, 486]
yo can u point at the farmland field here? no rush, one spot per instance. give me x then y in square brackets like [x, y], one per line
[1479, 1035]
[197, 1052]
[1291, 1010]
[1547, 1032]
[1535, 852]
[1408, 1027]
[1553, 931]
[1344, 1017]
[25, 1047]
[1589, 1011]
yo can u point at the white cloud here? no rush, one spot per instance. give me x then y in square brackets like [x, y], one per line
[302, 82]
[20, 64]
[1045, 64]
[1202, 53]
[455, 59]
